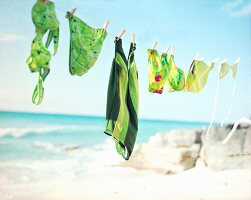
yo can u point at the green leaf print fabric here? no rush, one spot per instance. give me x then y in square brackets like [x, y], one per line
[85, 45]
[38, 61]
[157, 72]
[123, 101]
[175, 76]
[45, 20]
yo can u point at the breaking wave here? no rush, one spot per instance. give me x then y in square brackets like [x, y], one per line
[21, 132]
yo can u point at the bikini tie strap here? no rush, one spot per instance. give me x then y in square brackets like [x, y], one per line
[38, 93]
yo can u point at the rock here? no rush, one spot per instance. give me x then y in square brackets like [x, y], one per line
[183, 137]
[168, 153]
[182, 149]
[70, 147]
[247, 145]
[235, 154]
[158, 140]
[176, 138]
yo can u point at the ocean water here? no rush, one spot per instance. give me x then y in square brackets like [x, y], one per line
[45, 149]
[31, 136]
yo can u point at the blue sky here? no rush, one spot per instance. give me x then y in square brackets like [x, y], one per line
[215, 29]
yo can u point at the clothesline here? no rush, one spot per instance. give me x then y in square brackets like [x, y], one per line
[123, 88]
[128, 41]
[146, 48]
[109, 34]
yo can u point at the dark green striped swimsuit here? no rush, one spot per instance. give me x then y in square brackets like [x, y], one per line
[122, 101]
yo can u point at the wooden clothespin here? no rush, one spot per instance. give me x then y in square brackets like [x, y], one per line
[197, 57]
[105, 25]
[154, 45]
[133, 39]
[173, 51]
[215, 60]
[238, 60]
[72, 12]
[46, 1]
[167, 49]
[223, 61]
[120, 34]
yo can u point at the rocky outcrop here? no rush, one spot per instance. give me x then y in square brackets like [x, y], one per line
[180, 150]
[173, 152]
[235, 154]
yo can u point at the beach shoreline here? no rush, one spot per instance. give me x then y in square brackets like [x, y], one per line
[120, 183]
[179, 164]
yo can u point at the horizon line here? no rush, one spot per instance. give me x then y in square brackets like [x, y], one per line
[83, 115]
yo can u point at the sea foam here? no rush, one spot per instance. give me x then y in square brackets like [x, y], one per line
[20, 132]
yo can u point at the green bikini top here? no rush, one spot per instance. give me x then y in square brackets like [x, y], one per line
[45, 19]
[157, 72]
[175, 76]
[39, 58]
[198, 75]
[225, 68]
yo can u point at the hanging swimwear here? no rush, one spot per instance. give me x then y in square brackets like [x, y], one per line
[198, 75]
[223, 70]
[38, 61]
[175, 76]
[157, 72]
[85, 45]
[44, 19]
[123, 101]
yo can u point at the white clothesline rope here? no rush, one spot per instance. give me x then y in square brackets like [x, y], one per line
[231, 104]
[242, 120]
[237, 123]
[214, 109]
[147, 47]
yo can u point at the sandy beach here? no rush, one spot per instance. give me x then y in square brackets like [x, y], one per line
[125, 100]
[125, 183]
[149, 176]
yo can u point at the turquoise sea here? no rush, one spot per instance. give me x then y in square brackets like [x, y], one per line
[45, 149]
[21, 133]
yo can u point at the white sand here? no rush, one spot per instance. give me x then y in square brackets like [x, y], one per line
[101, 180]
[125, 183]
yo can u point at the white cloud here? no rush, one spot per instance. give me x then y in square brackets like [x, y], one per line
[243, 11]
[237, 8]
[232, 4]
[10, 37]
